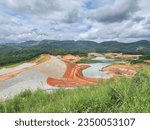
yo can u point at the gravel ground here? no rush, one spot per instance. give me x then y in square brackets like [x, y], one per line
[9, 70]
[33, 79]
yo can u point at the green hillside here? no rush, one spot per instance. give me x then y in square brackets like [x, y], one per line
[17, 52]
[135, 47]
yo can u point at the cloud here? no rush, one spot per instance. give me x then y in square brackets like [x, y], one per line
[60, 10]
[128, 30]
[138, 19]
[117, 12]
[97, 20]
[72, 16]
[33, 6]
[6, 20]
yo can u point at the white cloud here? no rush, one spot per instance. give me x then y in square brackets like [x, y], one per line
[70, 19]
[119, 11]
[60, 10]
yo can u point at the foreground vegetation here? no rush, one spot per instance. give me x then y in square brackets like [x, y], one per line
[124, 95]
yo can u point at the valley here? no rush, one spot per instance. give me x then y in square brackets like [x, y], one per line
[104, 79]
[75, 56]
[49, 73]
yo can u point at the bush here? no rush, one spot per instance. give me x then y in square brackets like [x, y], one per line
[137, 61]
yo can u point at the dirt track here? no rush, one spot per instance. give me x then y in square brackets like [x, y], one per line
[7, 73]
[73, 77]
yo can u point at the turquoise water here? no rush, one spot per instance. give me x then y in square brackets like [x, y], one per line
[94, 70]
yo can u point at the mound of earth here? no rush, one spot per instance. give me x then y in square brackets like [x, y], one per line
[122, 56]
[72, 58]
[120, 70]
[95, 54]
[6, 73]
[32, 78]
[147, 61]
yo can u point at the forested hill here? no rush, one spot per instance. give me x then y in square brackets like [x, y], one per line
[16, 52]
[142, 46]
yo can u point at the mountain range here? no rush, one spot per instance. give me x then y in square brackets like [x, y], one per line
[16, 52]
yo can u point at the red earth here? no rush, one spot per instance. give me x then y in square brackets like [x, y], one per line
[120, 70]
[73, 77]
[72, 58]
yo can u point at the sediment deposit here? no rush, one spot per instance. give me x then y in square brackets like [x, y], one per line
[120, 70]
[95, 54]
[147, 61]
[72, 58]
[122, 56]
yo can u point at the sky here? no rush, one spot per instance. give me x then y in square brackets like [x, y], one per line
[95, 20]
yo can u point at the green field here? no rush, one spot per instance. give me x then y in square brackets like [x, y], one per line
[124, 95]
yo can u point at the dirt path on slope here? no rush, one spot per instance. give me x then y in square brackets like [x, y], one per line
[7, 73]
[73, 77]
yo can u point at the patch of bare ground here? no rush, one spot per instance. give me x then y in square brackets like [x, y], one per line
[118, 70]
[122, 56]
[71, 58]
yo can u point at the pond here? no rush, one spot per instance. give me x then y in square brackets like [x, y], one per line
[94, 70]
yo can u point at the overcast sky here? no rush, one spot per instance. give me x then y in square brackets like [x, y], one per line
[96, 20]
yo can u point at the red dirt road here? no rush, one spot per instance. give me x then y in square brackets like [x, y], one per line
[10, 75]
[73, 77]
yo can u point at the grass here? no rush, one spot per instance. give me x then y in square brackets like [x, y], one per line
[38, 58]
[87, 60]
[12, 65]
[124, 95]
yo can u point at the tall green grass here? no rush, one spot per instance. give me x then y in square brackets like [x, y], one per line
[124, 95]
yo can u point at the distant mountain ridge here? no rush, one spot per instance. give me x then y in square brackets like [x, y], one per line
[83, 46]
[106, 46]
[16, 52]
